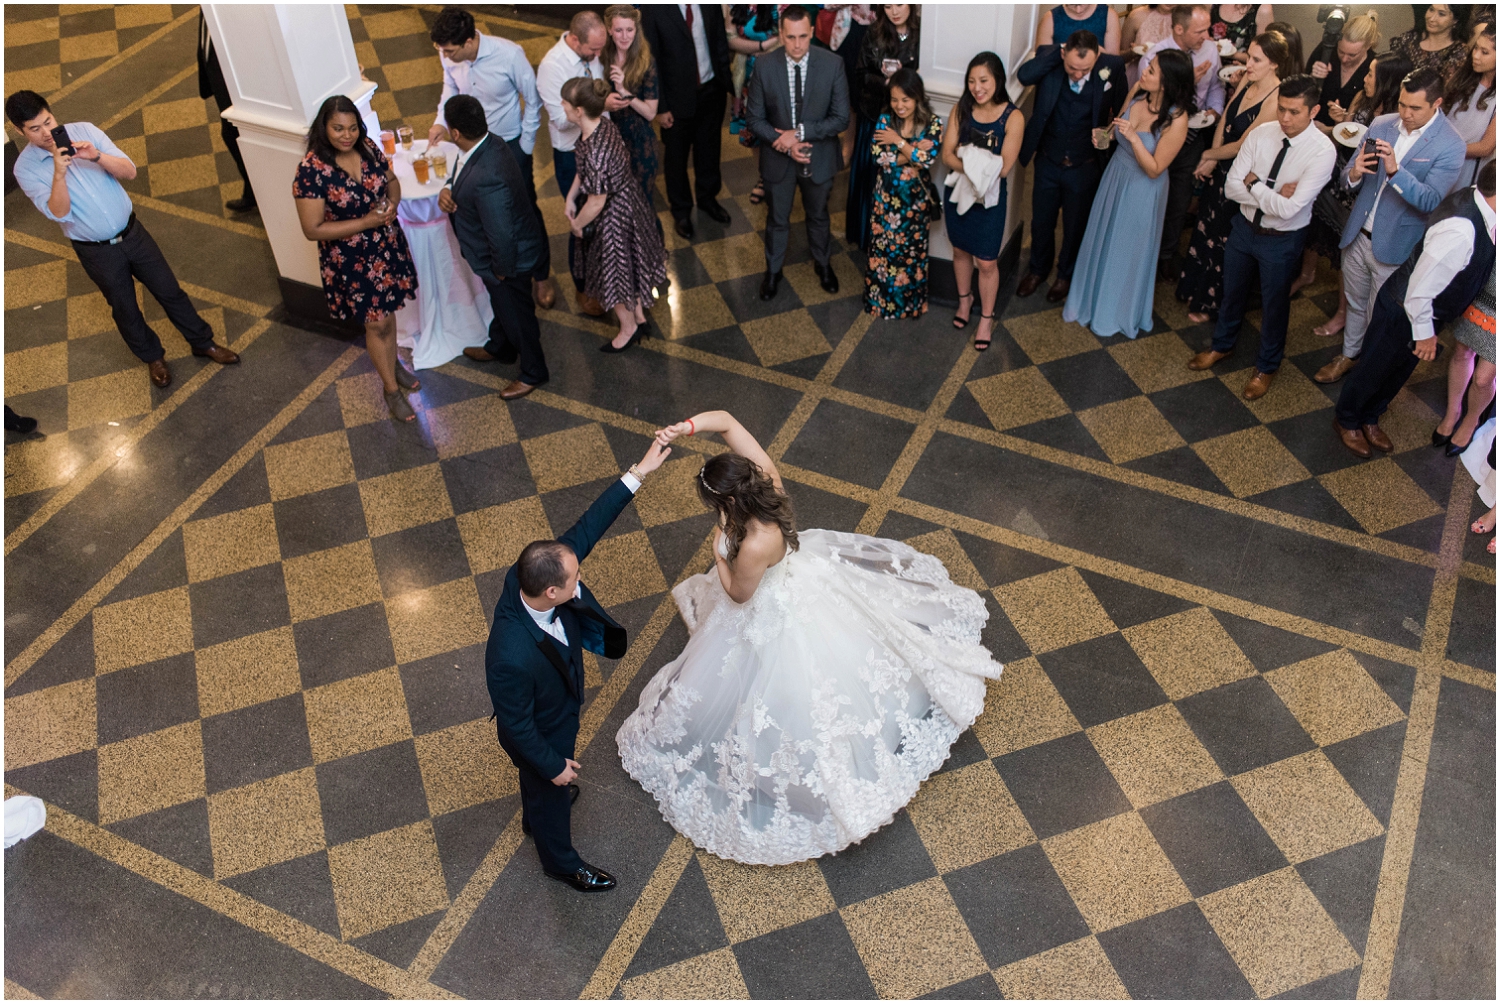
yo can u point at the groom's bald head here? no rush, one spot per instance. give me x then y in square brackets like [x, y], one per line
[548, 572]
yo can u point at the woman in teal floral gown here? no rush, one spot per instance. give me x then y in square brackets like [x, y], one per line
[906, 142]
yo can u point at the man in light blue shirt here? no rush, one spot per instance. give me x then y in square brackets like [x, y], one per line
[81, 192]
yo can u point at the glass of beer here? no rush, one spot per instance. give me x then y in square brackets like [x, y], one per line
[388, 142]
[440, 164]
[419, 167]
[403, 133]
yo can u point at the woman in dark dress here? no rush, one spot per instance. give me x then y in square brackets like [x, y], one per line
[889, 45]
[635, 94]
[1437, 40]
[1238, 24]
[346, 196]
[623, 254]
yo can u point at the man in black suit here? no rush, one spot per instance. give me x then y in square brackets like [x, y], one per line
[501, 239]
[211, 84]
[1079, 91]
[533, 665]
[692, 59]
[797, 104]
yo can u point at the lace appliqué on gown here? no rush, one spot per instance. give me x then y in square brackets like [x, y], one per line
[800, 722]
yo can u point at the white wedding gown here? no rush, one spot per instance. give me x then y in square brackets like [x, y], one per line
[800, 722]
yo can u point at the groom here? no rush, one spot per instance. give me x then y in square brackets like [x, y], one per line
[533, 664]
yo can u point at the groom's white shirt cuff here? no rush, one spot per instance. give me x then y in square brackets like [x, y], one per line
[631, 481]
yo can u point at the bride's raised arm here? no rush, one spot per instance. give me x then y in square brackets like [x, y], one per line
[735, 435]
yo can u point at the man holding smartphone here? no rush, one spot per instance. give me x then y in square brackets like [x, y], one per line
[81, 191]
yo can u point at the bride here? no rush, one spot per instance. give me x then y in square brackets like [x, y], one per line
[826, 676]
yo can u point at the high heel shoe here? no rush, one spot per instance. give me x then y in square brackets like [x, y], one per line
[406, 380]
[641, 331]
[1453, 449]
[963, 322]
[981, 346]
[1439, 440]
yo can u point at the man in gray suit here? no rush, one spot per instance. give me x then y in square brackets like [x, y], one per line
[798, 105]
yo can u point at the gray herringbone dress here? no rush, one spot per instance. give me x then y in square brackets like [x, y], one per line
[625, 260]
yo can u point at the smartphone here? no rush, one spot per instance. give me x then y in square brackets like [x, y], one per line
[60, 137]
[1369, 146]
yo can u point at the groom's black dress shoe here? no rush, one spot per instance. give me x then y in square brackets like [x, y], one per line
[769, 285]
[586, 879]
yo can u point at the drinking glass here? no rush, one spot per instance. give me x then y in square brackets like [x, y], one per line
[440, 164]
[404, 134]
[388, 142]
[419, 167]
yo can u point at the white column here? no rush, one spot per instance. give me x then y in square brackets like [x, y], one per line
[953, 34]
[281, 62]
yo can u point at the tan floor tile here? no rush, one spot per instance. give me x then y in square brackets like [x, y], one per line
[109, 398]
[1333, 697]
[913, 941]
[1017, 397]
[367, 56]
[1130, 429]
[172, 177]
[31, 285]
[758, 214]
[1306, 806]
[623, 568]
[967, 815]
[756, 899]
[265, 823]
[1303, 316]
[1251, 461]
[1277, 932]
[1409, 421]
[1379, 494]
[326, 582]
[42, 79]
[137, 15]
[571, 457]
[47, 462]
[732, 257]
[429, 621]
[714, 976]
[785, 337]
[99, 45]
[408, 498]
[89, 314]
[358, 714]
[401, 21]
[1078, 970]
[150, 772]
[413, 73]
[1022, 709]
[670, 494]
[1045, 336]
[46, 724]
[134, 147]
[309, 465]
[1115, 871]
[223, 545]
[362, 400]
[809, 288]
[943, 545]
[165, 116]
[387, 879]
[494, 537]
[141, 630]
[692, 312]
[1054, 610]
[480, 423]
[1189, 652]
[30, 32]
[1291, 394]
[36, 369]
[1154, 755]
[464, 766]
[236, 674]
[1157, 362]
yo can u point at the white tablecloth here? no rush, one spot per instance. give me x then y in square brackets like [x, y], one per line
[452, 308]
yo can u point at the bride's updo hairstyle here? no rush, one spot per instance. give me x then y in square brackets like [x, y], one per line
[742, 492]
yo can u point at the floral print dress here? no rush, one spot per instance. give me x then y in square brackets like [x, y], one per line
[896, 279]
[370, 274]
[639, 137]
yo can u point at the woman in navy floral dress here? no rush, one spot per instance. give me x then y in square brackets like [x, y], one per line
[906, 142]
[346, 195]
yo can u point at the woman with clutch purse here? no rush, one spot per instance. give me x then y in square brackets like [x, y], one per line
[904, 146]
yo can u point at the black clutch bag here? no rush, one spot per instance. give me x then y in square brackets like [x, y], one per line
[591, 229]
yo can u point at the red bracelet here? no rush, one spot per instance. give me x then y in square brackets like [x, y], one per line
[692, 429]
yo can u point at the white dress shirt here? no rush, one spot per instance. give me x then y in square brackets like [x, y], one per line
[791, 88]
[1309, 162]
[1404, 142]
[503, 81]
[557, 67]
[700, 42]
[1446, 250]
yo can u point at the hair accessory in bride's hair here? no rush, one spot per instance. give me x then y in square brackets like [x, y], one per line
[705, 482]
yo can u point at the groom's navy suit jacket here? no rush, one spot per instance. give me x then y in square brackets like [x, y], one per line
[535, 684]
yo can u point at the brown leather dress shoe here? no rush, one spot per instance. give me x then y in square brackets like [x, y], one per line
[1335, 370]
[1028, 284]
[1206, 360]
[1059, 290]
[545, 292]
[1353, 440]
[588, 305]
[1377, 438]
[478, 354]
[219, 354]
[1256, 386]
[160, 375]
[516, 389]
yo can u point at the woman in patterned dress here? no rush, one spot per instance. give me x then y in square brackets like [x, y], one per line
[346, 195]
[632, 104]
[624, 258]
[1438, 41]
[905, 144]
[1239, 23]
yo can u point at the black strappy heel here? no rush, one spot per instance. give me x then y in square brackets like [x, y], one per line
[981, 346]
[963, 322]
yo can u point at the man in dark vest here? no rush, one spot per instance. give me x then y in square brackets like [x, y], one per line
[1449, 268]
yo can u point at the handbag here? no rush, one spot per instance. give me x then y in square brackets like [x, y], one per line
[590, 229]
[934, 198]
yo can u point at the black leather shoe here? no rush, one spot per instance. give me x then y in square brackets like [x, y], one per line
[684, 228]
[18, 423]
[573, 792]
[826, 278]
[1166, 271]
[241, 205]
[586, 879]
[715, 212]
[525, 827]
[769, 285]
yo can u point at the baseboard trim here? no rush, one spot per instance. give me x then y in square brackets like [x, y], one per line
[306, 307]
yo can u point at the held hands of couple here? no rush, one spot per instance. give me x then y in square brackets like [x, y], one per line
[569, 774]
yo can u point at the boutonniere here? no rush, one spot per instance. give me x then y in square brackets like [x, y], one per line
[1104, 73]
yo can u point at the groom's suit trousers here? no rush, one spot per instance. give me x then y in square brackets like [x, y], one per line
[547, 809]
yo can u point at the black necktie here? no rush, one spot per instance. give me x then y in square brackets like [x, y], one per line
[1286, 145]
[797, 97]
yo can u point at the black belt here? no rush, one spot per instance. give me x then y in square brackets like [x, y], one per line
[117, 238]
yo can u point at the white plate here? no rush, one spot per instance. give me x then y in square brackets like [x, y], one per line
[1349, 133]
[1140, 48]
[1226, 47]
[1201, 120]
[1228, 73]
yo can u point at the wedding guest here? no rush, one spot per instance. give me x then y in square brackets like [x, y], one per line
[634, 92]
[693, 57]
[500, 238]
[891, 44]
[1293, 44]
[211, 84]
[1469, 104]
[906, 140]
[1098, 19]
[1112, 292]
[1355, 54]
[1239, 24]
[1449, 278]
[346, 196]
[842, 27]
[576, 54]
[1253, 104]
[1079, 92]
[752, 31]
[495, 71]
[1280, 169]
[1436, 42]
[1472, 368]
[1142, 28]
[24, 425]
[626, 260]
[1416, 157]
[798, 104]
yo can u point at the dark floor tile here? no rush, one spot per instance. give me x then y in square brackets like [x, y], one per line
[254, 743]
[1394, 678]
[730, 343]
[70, 782]
[1212, 839]
[20, 508]
[1174, 955]
[141, 699]
[1061, 785]
[1342, 986]
[490, 585]
[849, 444]
[1311, 439]
[1202, 410]
[1064, 433]
[466, 836]
[245, 488]
[835, 317]
[1128, 604]
[179, 834]
[70, 659]
[1102, 679]
[812, 960]
[177, 144]
[446, 690]
[1461, 745]
[899, 526]
[301, 888]
[164, 568]
[965, 409]
[743, 297]
[1183, 466]
[685, 270]
[979, 988]
[999, 564]
[371, 792]
[676, 543]
[1344, 883]
[966, 749]
[885, 363]
[1268, 647]
[566, 506]
[1370, 763]
[824, 510]
[489, 477]
[806, 368]
[1424, 534]
[1244, 725]
[400, 943]
[1471, 634]
[345, 644]
[1089, 379]
[687, 926]
[319, 520]
[387, 447]
[1310, 500]
[890, 858]
[1015, 906]
[323, 414]
[238, 605]
[420, 557]
[1000, 636]
[532, 419]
